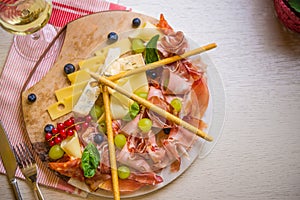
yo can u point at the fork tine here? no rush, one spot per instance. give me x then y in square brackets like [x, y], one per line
[19, 161]
[23, 155]
[22, 161]
[30, 155]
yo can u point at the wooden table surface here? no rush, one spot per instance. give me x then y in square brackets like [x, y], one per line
[258, 154]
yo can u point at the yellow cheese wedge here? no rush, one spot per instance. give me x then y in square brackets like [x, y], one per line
[70, 90]
[63, 107]
[79, 76]
[124, 44]
[92, 64]
[71, 146]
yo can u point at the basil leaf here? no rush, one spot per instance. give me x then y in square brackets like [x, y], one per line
[90, 160]
[133, 111]
[151, 54]
[295, 4]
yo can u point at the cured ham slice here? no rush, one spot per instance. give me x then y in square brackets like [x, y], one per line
[173, 43]
[131, 128]
[156, 153]
[97, 180]
[133, 160]
[156, 97]
[198, 95]
[178, 143]
[125, 186]
[146, 178]
[104, 158]
[187, 69]
[174, 83]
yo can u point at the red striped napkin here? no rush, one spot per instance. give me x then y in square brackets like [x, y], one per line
[17, 70]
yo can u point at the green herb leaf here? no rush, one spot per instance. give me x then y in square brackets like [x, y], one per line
[90, 160]
[133, 111]
[295, 4]
[151, 54]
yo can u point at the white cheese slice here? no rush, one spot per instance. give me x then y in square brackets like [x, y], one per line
[87, 99]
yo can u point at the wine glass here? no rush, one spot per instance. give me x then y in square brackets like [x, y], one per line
[28, 20]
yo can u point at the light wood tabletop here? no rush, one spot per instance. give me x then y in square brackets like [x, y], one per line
[258, 153]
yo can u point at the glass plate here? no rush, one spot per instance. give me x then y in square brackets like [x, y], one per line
[214, 117]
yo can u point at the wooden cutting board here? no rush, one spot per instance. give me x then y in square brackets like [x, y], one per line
[82, 37]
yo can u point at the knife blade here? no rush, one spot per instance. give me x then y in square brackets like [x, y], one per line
[9, 161]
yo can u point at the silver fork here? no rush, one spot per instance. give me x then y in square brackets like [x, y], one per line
[28, 167]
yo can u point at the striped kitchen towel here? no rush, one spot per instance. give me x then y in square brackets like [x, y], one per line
[17, 70]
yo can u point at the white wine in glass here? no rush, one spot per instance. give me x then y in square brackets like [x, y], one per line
[28, 18]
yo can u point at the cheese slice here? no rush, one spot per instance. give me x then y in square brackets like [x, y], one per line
[92, 64]
[63, 106]
[79, 76]
[139, 82]
[70, 90]
[124, 45]
[146, 32]
[71, 146]
[87, 99]
[123, 99]
[117, 108]
[126, 63]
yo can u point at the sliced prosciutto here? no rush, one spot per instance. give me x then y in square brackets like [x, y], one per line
[175, 84]
[198, 95]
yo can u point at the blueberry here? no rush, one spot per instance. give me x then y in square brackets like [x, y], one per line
[152, 74]
[69, 68]
[136, 22]
[167, 130]
[31, 97]
[98, 138]
[112, 37]
[48, 128]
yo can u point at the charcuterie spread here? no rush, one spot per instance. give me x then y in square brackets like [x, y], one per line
[73, 140]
